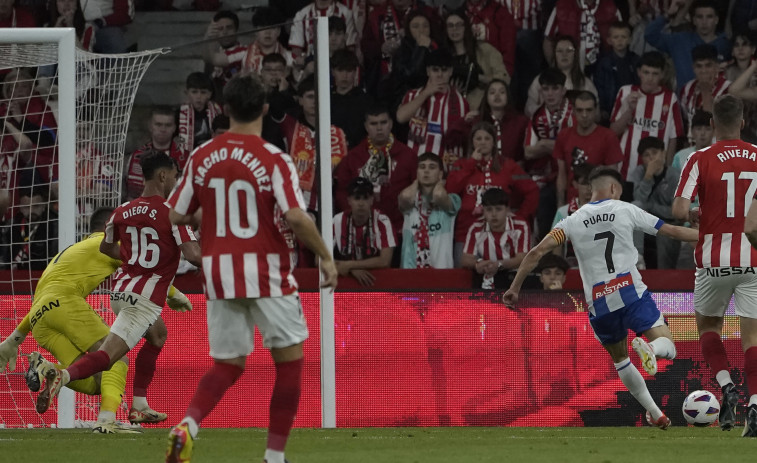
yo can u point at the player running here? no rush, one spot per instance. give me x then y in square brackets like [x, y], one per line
[724, 176]
[63, 323]
[149, 249]
[602, 236]
[238, 179]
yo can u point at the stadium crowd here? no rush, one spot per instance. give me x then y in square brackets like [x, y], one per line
[462, 131]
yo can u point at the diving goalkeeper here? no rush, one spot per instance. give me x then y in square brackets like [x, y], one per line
[62, 322]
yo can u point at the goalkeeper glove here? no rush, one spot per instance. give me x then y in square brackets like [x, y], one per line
[9, 350]
[177, 301]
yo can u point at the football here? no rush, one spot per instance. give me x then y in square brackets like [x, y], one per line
[701, 408]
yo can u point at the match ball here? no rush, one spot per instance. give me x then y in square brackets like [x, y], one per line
[701, 408]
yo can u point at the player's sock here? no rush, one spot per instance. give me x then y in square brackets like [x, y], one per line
[112, 387]
[635, 384]
[144, 370]
[663, 348]
[88, 365]
[723, 377]
[211, 389]
[714, 353]
[752, 400]
[750, 370]
[194, 428]
[284, 402]
[273, 456]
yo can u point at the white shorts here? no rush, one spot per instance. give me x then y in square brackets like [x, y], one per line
[714, 287]
[232, 322]
[134, 314]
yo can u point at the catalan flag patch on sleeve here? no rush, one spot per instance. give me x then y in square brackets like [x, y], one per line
[558, 234]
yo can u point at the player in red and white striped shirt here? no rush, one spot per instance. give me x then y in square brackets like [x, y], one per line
[710, 83]
[499, 242]
[150, 248]
[238, 179]
[724, 176]
[646, 110]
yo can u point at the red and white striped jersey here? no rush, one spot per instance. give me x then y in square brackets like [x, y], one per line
[431, 122]
[657, 115]
[302, 34]
[149, 247]
[525, 12]
[488, 245]
[353, 242]
[691, 96]
[238, 180]
[235, 55]
[545, 125]
[724, 176]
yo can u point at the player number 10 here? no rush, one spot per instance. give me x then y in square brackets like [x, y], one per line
[730, 180]
[235, 223]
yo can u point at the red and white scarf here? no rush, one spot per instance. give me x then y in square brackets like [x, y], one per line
[590, 40]
[422, 240]
[187, 123]
[302, 151]
[253, 59]
[357, 242]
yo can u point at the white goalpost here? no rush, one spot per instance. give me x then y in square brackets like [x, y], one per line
[64, 116]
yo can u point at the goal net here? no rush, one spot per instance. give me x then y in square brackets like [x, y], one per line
[62, 142]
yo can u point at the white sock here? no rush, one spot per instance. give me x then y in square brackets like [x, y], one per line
[752, 400]
[723, 377]
[663, 348]
[140, 403]
[273, 456]
[105, 416]
[194, 428]
[637, 387]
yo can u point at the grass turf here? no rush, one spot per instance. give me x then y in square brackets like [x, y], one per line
[406, 445]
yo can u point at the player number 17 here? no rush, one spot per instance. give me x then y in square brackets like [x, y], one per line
[231, 196]
[730, 180]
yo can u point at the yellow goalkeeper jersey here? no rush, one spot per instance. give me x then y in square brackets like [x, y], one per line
[79, 269]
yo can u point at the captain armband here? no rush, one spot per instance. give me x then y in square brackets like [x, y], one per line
[558, 234]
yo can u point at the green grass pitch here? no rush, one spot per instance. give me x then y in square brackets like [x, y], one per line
[395, 445]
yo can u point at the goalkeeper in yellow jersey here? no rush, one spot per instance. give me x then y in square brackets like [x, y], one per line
[62, 322]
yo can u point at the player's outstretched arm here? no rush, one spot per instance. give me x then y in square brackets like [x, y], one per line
[304, 228]
[679, 233]
[192, 252]
[750, 224]
[681, 208]
[110, 249]
[528, 264]
[9, 346]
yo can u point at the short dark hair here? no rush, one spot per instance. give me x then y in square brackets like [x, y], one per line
[162, 110]
[360, 187]
[226, 14]
[245, 97]
[274, 58]
[586, 95]
[337, 24]
[653, 59]
[605, 171]
[650, 143]
[266, 17]
[152, 161]
[99, 218]
[495, 197]
[582, 171]
[704, 52]
[728, 111]
[552, 260]
[621, 25]
[200, 80]
[377, 109]
[439, 57]
[344, 60]
[307, 85]
[429, 156]
[552, 76]
[700, 118]
[37, 190]
[696, 4]
[221, 121]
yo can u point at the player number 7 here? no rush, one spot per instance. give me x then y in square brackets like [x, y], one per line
[730, 180]
[610, 237]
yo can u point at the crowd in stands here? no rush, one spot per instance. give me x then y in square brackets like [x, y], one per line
[462, 130]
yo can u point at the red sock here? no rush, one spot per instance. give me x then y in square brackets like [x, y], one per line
[144, 368]
[91, 363]
[750, 369]
[713, 351]
[211, 389]
[284, 402]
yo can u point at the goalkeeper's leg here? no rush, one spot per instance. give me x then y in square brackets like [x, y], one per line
[144, 370]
